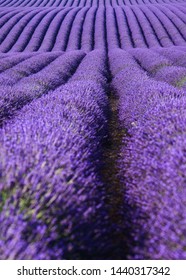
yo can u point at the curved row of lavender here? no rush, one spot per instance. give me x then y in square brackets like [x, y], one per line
[65, 29]
[152, 162]
[76, 78]
[163, 67]
[52, 205]
[33, 77]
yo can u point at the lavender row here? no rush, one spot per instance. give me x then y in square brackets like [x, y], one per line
[149, 60]
[113, 38]
[26, 68]
[9, 61]
[53, 34]
[74, 40]
[100, 39]
[152, 169]
[174, 54]
[87, 39]
[55, 74]
[136, 33]
[148, 29]
[64, 32]
[52, 198]
[160, 67]
[172, 75]
[126, 40]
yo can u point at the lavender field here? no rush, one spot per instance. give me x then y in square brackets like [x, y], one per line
[93, 129]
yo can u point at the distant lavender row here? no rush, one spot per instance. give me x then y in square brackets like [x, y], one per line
[81, 3]
[176, 54]
[10, 60]
[152, 168]
[160, 66]
[83, 27]
[22, 69]
[34, 77]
